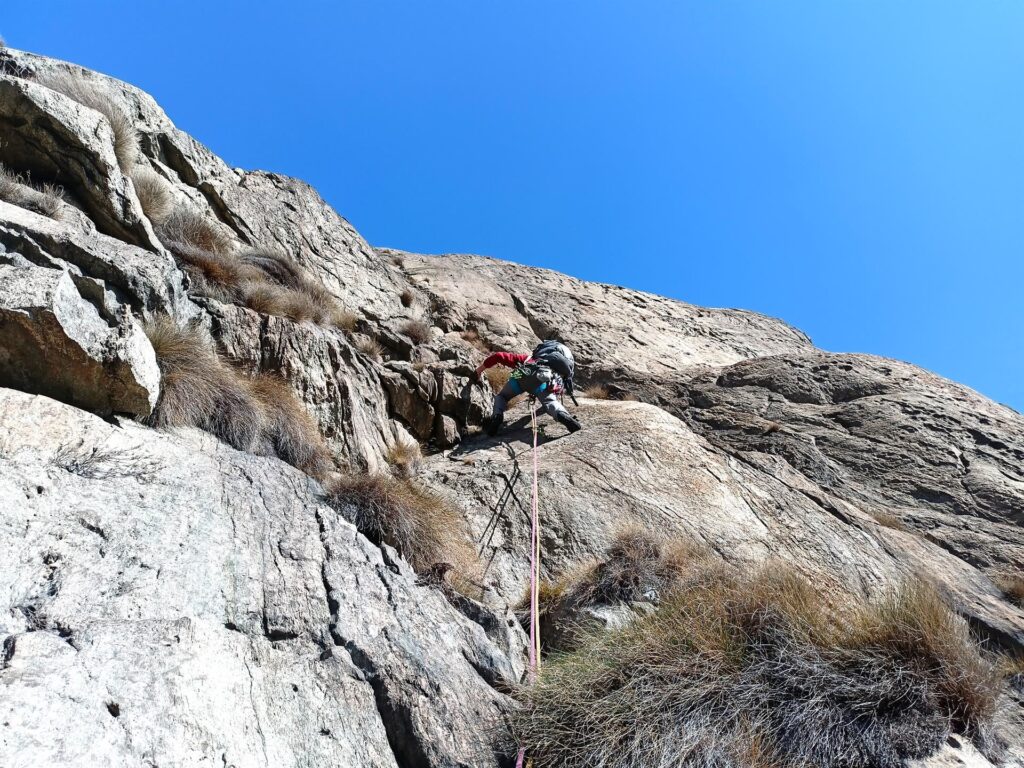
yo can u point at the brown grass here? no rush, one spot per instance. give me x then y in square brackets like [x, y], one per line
[1012, 586]
[197, 389]
[258, 414]
[408, 297]
[369, 346]
[497, 377]
[417, 331]
[270, 299]
[638, 567]
[188, 226]
[405, 457]
[44, 199]
[264, 281]
[733, 667]
[153, 192]
[96, 95]
[597, 392]
[289, 429]
[416, 522]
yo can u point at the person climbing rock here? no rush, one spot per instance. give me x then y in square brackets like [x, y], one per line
[545, 374]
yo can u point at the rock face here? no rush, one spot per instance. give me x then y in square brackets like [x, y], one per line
[167, 600]
[54, 341]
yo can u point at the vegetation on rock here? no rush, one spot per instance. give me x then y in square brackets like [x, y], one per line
[44, 199]
[759, 670]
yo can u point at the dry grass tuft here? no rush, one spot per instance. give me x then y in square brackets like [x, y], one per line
[197, 389]
[189, 227]
[153, 192]
[416, 522]
[405, 457]
[759, 669]
[497, 377]
[96, 95]
[369, 346]
[288, 429]
[1012, 585]
[260, 414]
[264, 281]
[408, 297]
[417, 331]
[597, 392]
[398, 260]
[638, 567]
[271, 299]
[44, 199]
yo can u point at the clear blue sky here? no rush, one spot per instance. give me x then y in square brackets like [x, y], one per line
[854, 167]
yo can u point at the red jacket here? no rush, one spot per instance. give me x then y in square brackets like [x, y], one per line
[511, 360]
[508, 359]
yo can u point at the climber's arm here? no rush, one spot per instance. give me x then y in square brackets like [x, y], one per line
[508, 359]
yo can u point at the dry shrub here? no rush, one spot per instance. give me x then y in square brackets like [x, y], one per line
[198, 389]
[405, 456]
[597, 392]
[398, 260]
[153, 192]
[637, 567]
[758, 669]
[264, 281]
[271, 299]
[497, 377]
[408, 297]
[416, 522]
[258, 414]
[292, 293]
[1012, 586]
[369, 346]
[96, 95]
[288, 429]
[44, 199]
[417, 331]
[191, 228]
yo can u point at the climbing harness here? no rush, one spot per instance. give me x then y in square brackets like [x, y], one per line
[534, 667]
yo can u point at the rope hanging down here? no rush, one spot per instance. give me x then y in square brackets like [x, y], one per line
[534, 577]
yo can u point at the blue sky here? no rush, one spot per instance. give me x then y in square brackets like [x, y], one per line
[854, 167]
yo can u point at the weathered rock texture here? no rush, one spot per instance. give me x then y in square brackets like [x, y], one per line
[166, 600]
[53, 340]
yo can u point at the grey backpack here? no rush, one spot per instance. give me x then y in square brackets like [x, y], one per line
[556, 356]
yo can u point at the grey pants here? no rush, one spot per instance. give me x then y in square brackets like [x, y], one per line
[549, 401]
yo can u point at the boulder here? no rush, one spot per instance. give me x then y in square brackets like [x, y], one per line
[54, 341]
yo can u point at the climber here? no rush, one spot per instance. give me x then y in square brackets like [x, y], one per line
[545, 374]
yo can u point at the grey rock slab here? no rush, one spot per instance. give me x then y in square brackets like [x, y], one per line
[55, 341]
[147, 281]
[55, 138]
[169, 600]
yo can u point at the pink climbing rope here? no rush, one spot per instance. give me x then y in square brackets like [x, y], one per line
[534, 577]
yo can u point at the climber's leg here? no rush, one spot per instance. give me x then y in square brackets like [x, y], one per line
[554, 408]
[493, 423]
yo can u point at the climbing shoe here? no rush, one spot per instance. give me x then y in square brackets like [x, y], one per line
[570, 423]
[493, 423]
